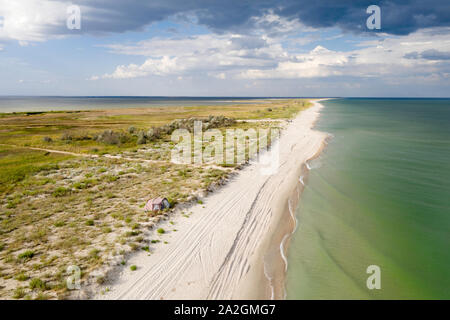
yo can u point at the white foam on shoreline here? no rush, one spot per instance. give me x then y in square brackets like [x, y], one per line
[283, 256]
[307, 165]
[269, 278]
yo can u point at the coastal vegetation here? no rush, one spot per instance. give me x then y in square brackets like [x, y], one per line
[73, 186]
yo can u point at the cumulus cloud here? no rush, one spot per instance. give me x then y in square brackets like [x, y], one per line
[32, 20]
[260, 57]
[159, 67]
[219, 54]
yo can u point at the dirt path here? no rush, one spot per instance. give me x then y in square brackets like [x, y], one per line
[86, 155]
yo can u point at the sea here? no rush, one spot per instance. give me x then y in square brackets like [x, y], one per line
[374, 217]
[9, 104]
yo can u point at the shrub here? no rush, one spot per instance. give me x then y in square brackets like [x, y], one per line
[133, 268]
[112, 178]
[153, 134]
[19, 293]
[90, 222]
[47, 139]
[131, 233]
[101, 279]
[131, 129]
[2, 246]
[26, 255]
[142, 139]
[37, 283]
[22, 277]
[93, 254]
[107, 230]
[66, 136]
[160, 231]
[135, 226]
[59, 224]
[42, 296]
[111, 137]
[60, 192]
[172, 202]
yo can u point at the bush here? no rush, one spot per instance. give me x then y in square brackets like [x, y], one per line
[93, 254]
[101, 279]
[42, 296]
[37, 283]
[2, 246]
[90, 222]
[111, 137]
[133, 268]
[142, 139]
[106, 230]
[59, 224]
[22, 277]
[47, 139]
[19, 293]
[60, 192]
[131, 129]
[160, 231]
[66, 136]
[26, 255]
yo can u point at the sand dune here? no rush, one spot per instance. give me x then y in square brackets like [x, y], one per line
[218, 252]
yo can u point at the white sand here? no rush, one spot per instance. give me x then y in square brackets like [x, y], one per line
[217, 253]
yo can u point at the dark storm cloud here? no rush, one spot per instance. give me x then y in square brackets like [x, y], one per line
[398, 17]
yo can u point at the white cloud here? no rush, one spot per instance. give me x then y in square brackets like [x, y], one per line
[160, 67]
[31, 20]
[229, 56]
[376, 58]
[219, 54]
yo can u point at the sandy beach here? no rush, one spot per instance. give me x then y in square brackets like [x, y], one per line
[230, 246]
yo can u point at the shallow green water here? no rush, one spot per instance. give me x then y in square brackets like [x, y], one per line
[378, 195]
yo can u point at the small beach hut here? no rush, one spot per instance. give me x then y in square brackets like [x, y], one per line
[157, 204]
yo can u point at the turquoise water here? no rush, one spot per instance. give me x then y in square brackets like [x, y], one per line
[378, 195]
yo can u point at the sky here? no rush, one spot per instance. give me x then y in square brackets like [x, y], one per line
[265, 48]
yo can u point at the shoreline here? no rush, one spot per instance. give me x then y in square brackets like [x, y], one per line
[274, 252]
[281, 239]
[220, 251]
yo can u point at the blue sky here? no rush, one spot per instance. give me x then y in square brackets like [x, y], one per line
[225, 48]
